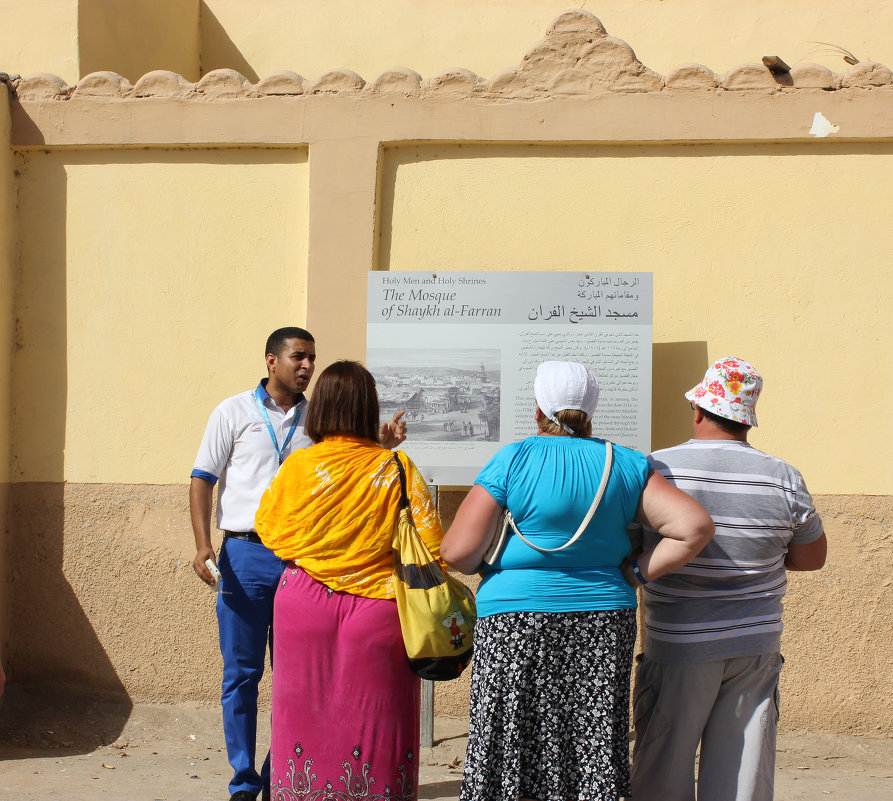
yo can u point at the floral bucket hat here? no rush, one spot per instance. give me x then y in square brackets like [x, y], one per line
[730, 389]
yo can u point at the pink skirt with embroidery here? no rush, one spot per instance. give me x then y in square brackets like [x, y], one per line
[345, 703]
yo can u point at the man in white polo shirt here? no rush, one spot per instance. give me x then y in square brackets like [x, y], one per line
[247, 437]
[709, 674]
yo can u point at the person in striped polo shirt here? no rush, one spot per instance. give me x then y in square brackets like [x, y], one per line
[708, 676]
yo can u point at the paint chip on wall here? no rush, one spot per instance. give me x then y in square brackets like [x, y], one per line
[822, 126]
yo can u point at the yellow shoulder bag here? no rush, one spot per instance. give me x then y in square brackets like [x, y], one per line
[437, 611]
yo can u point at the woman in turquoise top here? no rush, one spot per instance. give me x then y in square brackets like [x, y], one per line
[554, 639]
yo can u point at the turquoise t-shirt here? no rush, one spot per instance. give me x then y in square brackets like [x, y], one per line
[548, 484]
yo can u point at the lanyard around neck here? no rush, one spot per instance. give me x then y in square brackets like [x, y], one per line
[291, 431]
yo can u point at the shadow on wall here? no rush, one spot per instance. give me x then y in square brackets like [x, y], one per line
[675, 368]
[218, 51]
[54, 653]
[134, 38]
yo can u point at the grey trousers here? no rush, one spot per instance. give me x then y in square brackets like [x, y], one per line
[728, 707]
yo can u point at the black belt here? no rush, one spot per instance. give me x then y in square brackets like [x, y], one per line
[248, 536]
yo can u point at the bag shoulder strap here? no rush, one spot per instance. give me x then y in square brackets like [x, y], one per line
[404, 497]
[609, 458]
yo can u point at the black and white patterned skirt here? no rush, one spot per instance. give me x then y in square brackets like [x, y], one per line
[550, 707]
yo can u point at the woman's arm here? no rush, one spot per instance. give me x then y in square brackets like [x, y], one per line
[467, 538]
[683, 524]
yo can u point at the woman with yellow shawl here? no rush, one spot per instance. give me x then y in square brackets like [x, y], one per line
[345, 703]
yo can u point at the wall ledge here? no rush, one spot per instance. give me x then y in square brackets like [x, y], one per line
[575, 57]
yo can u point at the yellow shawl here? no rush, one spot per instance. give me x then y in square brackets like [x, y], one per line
[331, 509]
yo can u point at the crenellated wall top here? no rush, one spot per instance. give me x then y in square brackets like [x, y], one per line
[576, 57]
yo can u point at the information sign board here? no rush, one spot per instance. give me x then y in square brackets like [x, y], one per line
[459, 350]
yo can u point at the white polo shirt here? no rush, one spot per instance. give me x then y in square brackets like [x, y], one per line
[237, 449]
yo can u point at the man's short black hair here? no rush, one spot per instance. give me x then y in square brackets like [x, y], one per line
[729, 426]
[276, 341]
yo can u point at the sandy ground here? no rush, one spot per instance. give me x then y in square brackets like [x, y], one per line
[75, 752]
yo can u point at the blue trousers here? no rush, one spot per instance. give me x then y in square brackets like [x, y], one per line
[251, 575]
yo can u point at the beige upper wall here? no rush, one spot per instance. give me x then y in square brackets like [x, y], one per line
[39, 36]
[72, 38]
[149, 283]
[485, 36]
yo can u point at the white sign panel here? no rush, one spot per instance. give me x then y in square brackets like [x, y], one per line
[459, 351]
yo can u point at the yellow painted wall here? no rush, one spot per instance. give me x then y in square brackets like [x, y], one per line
[776, 253]
[133, 37]
[150, 281]
[147, 279]
[39, 36]
[485, 36]
[129, 270]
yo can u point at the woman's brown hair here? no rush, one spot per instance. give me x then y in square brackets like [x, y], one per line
[574, 419]
[344, 402]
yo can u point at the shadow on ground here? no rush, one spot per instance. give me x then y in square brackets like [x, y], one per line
[54, 725]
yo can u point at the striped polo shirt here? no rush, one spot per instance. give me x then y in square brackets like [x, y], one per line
[727, 602]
